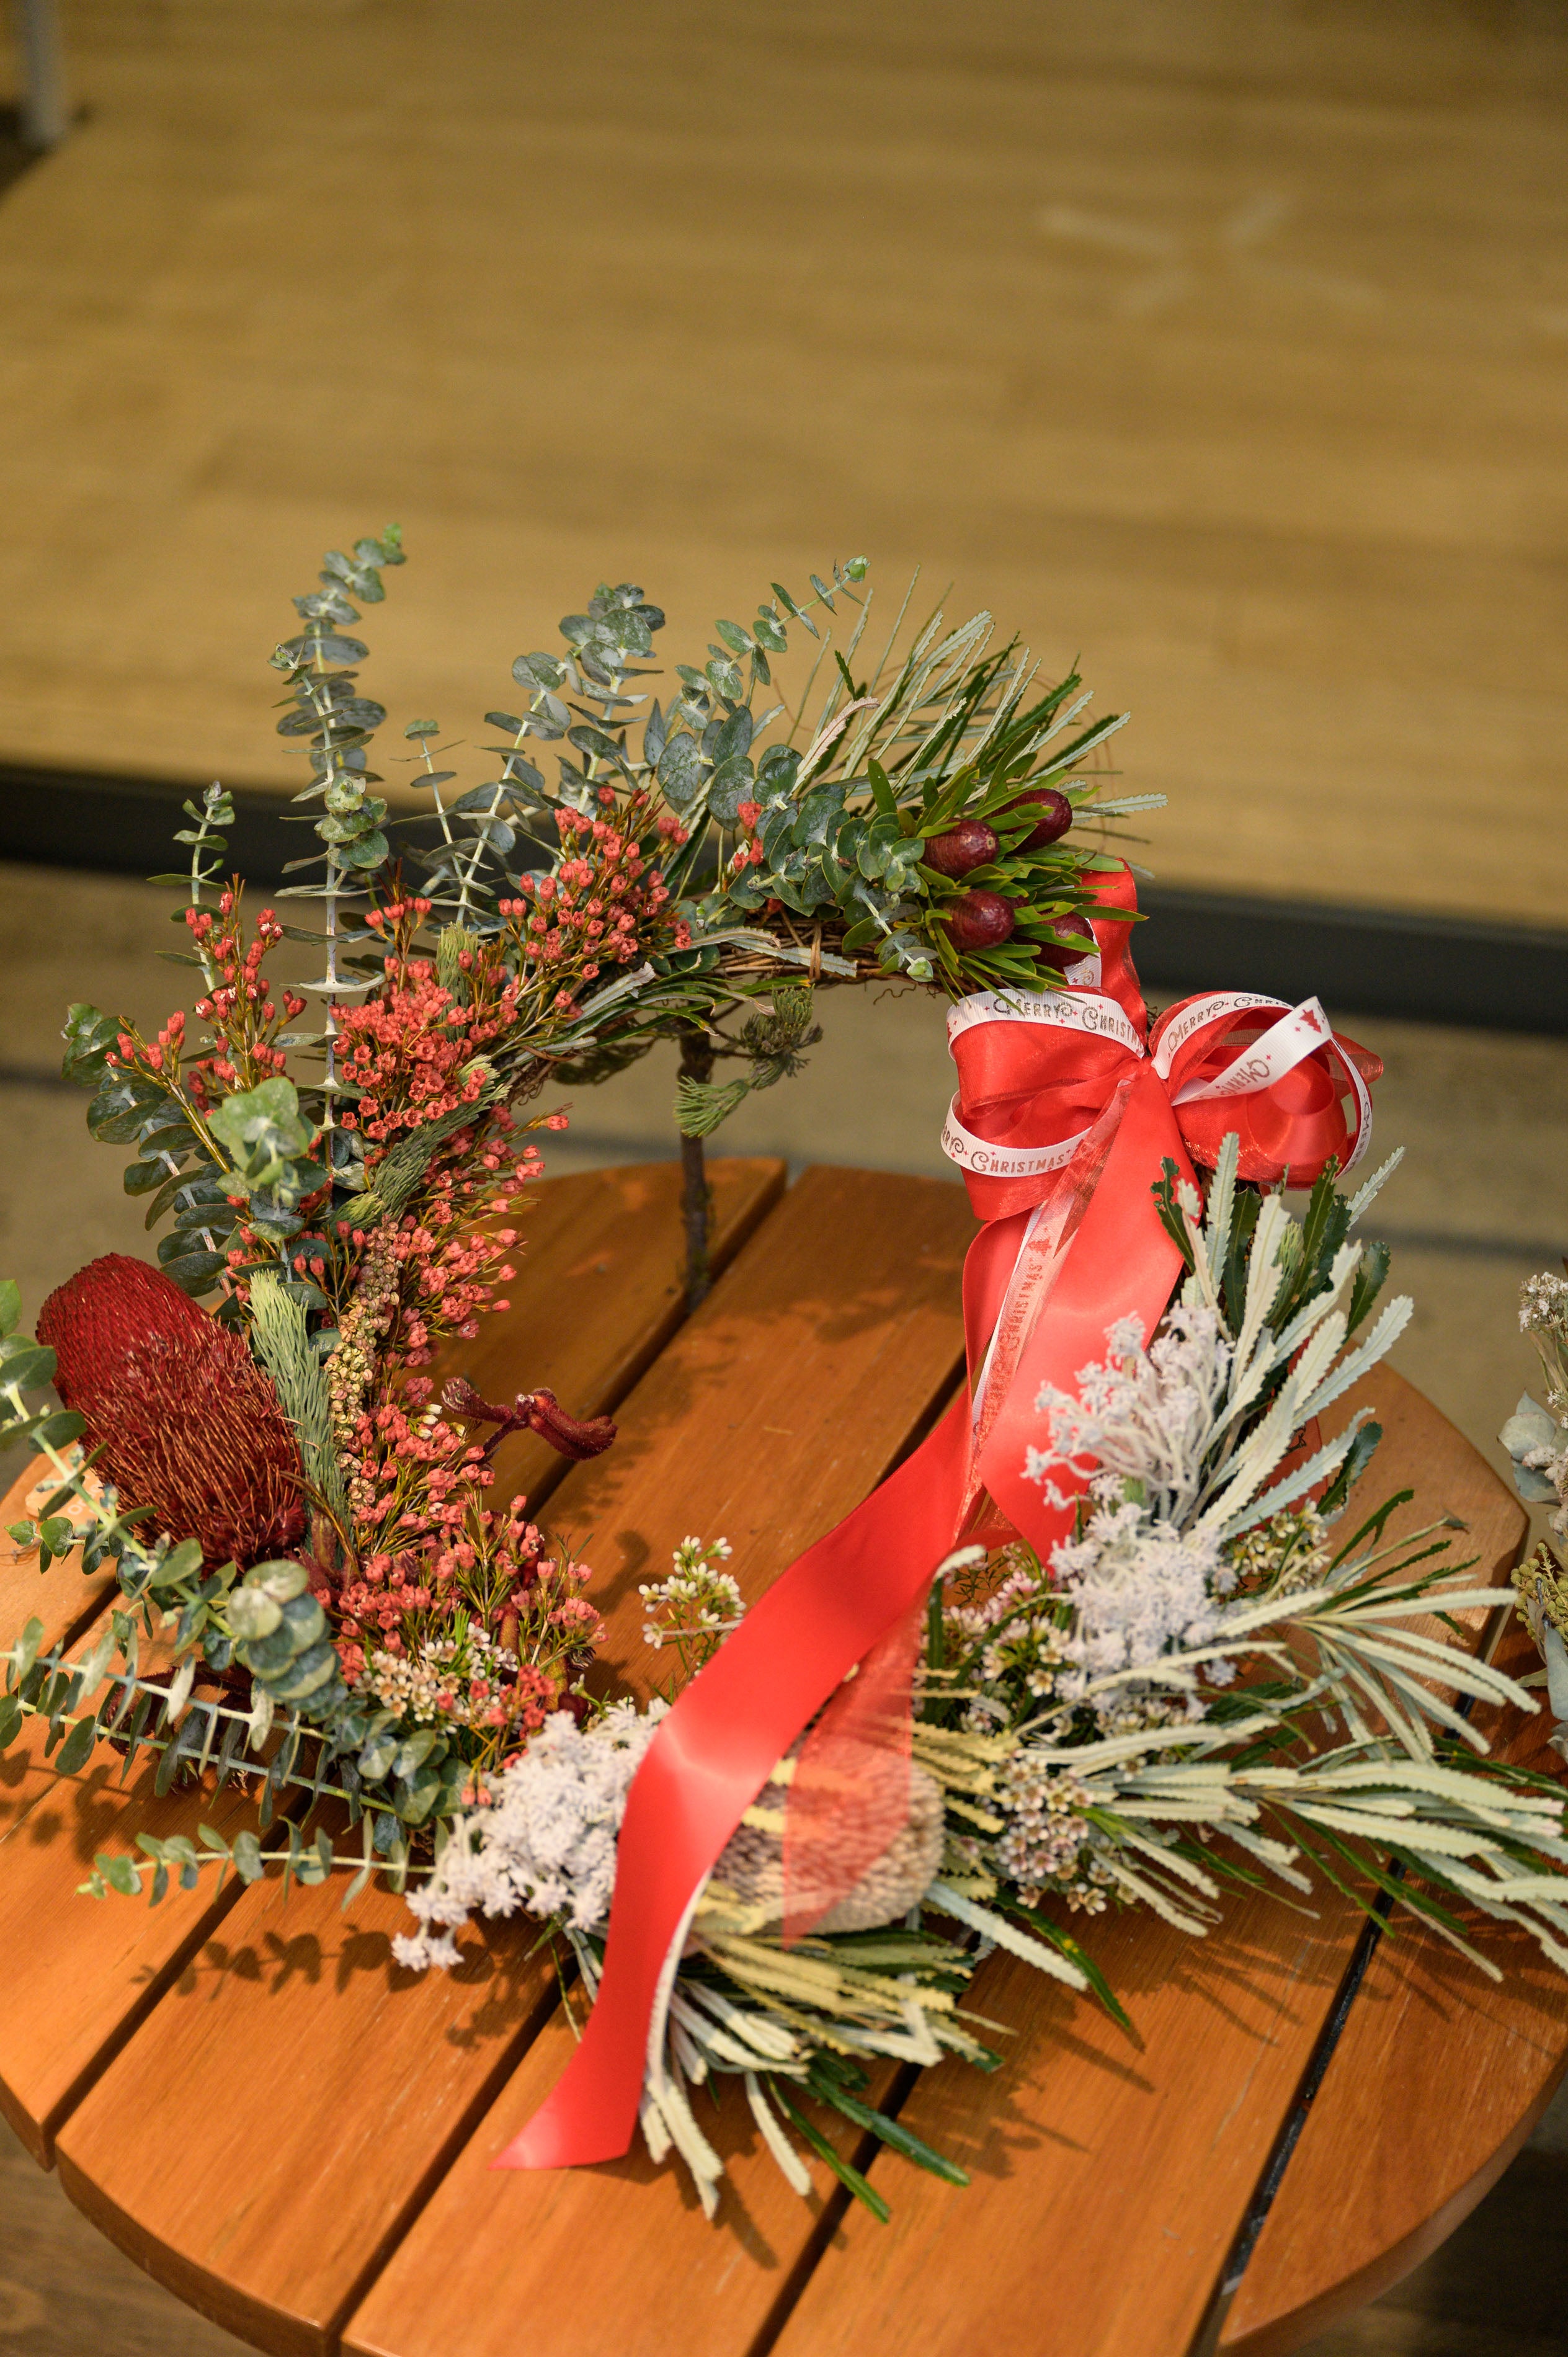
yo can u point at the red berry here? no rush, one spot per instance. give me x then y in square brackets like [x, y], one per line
[1055, 816]
[1060, 950]
[969, 845]
[979, 921]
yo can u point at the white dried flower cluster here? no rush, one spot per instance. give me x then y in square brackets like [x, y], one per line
[1543, 1305]
[1132, 1586]
[545, 1839]
[1046, 1836]
[453, 1679]
[1135, 1710]
[1015, 1640]
[1140, 1588]
[1286, 1555]
[1147, 1577]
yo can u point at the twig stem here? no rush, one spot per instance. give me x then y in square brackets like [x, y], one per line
[696, 1060]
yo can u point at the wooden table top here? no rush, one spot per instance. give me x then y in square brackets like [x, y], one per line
[294, 2135]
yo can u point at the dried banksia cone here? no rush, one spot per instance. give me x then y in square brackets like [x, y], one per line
[103, 1313]
[187, 1423]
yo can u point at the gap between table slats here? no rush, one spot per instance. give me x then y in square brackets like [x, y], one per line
[1425, 2025]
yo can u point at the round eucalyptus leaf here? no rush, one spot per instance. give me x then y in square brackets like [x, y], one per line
[681, 770]
[331, 646]
[538, 672]
[281, 1579]
[252, 1613]
[495, 832]
[194, 1273]
[727, 787]
[377, 1757]
[77, 1748]
[305, 1675]
[732, 736]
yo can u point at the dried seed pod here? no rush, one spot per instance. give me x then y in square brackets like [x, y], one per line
[748, 1880]
[1063, 950]
[540, 1411]
[969, 845]
[979, 921]
[1055, 816]
[569, 1436]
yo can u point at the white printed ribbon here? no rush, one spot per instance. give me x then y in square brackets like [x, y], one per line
[1088, 1012]
[1300, 1032]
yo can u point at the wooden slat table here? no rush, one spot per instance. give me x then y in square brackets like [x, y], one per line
[294, 2135]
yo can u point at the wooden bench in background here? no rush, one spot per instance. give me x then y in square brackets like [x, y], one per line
[294, 2135]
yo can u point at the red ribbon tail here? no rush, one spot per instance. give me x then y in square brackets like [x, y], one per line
[713, 1754]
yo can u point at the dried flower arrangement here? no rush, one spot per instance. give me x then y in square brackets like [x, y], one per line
[1139, 1662]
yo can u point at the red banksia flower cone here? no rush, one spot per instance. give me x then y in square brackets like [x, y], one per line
[187, 1422]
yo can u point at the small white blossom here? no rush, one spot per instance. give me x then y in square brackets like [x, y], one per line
[696, 1608]
[455, 1680]
[1046, 1831]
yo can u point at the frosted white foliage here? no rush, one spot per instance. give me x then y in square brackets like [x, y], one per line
[544, 1841]
[1181, 1424]
[1146, 1416]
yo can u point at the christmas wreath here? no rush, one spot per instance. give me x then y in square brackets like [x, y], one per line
[1113, 1635]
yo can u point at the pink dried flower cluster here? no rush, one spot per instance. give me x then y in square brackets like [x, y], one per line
[451, 1255]
[240, 1007]
[439, 1603]
[414, 1479]
[443, 1552]
[595, 908]
[748, 854]
[411, 1051]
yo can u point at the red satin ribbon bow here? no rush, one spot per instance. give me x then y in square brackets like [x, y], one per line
[1068, 1106]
